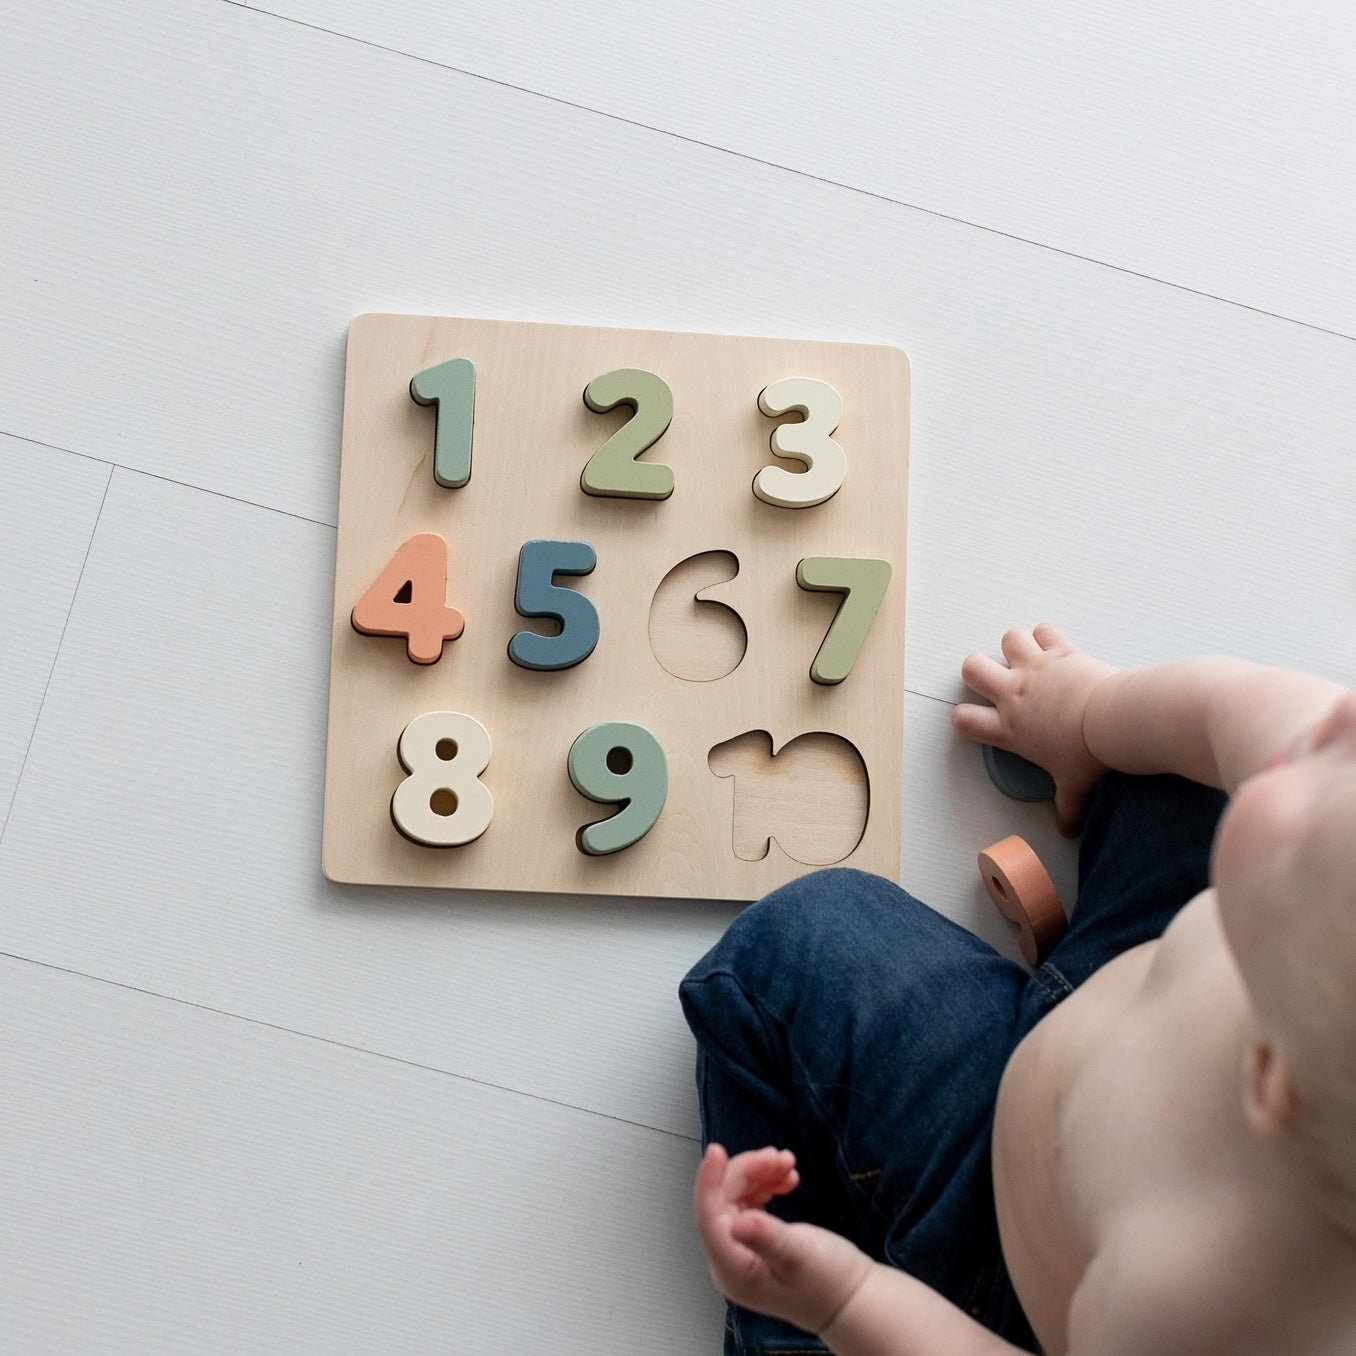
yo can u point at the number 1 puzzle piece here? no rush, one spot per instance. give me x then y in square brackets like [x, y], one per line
[409, 598]
[451, 388]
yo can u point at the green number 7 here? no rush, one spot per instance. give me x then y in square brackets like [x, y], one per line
[862, 582]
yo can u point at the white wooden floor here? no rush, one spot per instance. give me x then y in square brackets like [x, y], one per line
[245, 1110]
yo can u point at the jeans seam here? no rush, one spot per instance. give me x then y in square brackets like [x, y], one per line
[1052, 983]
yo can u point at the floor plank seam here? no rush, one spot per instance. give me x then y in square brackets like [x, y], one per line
[172, 480]
[56, 657]
[341, 1045]
[808, 175]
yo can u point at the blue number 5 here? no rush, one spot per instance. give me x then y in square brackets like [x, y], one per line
[537, 595]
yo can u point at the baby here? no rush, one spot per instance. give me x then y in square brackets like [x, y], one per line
[1147, 1146]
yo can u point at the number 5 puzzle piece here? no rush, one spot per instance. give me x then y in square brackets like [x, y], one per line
[538, 595]
[409, 598]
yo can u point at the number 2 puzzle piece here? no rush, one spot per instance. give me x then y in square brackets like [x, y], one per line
[613, 471]
[409, 598]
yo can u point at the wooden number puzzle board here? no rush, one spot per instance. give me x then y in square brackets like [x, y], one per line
[704, 637]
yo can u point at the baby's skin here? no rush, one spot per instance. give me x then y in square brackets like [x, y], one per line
[1150, 1196]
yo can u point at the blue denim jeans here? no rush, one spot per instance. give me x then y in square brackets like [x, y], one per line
[842, 1019]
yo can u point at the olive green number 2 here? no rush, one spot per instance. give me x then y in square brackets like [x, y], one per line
[862, 582]
[612, 471]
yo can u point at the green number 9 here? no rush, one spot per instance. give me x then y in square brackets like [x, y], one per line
[617, 763]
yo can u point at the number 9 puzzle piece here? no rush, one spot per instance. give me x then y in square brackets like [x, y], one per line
[618, 763]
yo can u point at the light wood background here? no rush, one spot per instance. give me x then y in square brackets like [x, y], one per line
[248, 1110]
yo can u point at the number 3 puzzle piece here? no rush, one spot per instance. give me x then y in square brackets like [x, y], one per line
[808, 442]
[409, 598]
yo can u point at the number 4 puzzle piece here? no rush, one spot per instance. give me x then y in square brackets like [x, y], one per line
[409, 598]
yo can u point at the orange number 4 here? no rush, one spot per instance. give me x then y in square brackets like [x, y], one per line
[409, 598]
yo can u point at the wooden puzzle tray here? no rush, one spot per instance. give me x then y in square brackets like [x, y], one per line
[584, 641]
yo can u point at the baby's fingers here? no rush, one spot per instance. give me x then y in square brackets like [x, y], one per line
[708, 1197]
[763, 1234]
[1018, 646]
[986, 676]
[754, 1178]
[1049, 637]
[983, 724]
[748, 1180]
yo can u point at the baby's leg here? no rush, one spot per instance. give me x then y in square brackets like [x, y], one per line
[1145, 853]
[842, 1019]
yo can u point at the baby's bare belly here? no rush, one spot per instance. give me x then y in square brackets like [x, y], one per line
[1120, 1118]
[1046, 1242]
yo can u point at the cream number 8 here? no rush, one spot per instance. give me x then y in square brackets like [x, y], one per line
[443, 803]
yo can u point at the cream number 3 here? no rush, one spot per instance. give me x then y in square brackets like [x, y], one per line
[443, 803]
[808, 442]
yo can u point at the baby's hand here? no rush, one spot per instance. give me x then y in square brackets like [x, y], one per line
[798, 1272]
[1039, 702]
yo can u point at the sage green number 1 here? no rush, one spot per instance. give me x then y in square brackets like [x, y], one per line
[451, 387]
